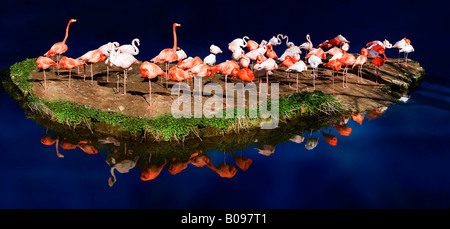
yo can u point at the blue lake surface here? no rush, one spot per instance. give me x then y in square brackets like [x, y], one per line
[400, 160]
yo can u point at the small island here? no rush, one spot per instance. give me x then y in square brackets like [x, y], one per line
[97, 106]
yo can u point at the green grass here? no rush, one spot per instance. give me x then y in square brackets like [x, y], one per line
[164, 127]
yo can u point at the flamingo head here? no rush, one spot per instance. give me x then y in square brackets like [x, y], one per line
[387, 44]
[364, 51]
[73, 20]
[176, 25]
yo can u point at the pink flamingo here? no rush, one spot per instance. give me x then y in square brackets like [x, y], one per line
[400, 45]
[307, 45]
[177, 74]
[346, 60]
[201, 70]
[245, 75]
[378, 62]
[228, 67]
[69, 63]
[60, 47]
[92, 56]
[288, 62]
[360, 60]
[150, 71]
[44, 63]
[336, 66]
[168, 55]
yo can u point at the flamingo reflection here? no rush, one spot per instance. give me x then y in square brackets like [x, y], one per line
[223, 169]
[151, 171]
[311, 142]
[123, 166]
[266, 150]
[242, 162]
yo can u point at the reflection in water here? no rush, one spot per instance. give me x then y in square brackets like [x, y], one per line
[122, 156]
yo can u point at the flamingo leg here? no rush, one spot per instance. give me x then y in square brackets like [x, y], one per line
[117, 83]
[267, 80]
[92, 75]
[226, 92]
[150, 94]
[297, 80]
[406, 59]
[45, 82]
[107, 74]
[84, 73]
[57, 63]
[125, 82]
[332, 77]
[70, 72]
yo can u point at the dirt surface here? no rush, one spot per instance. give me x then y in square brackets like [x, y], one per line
[103, 95]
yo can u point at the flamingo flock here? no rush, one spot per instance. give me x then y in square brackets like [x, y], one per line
[258, 61]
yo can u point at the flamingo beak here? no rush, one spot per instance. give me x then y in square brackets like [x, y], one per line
[74, 20]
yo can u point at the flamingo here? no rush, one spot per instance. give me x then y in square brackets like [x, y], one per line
[228, 67]
[237, 54]
[131, 49]
[314, 61]
[200, 70]
[244, 61]
[245, 75]
[49, 140]
[181, 54]
[210, 59]
[252, 45]
[178, 74]
[268, 66]
[360, 60]
[288, 62]
[150, 71]
[336, 66]
[298, 67]
[122, 62]
[168, 55]
[92, 56]
[215, 49]
[69, 63]
[307, 45]
[275, 40]
[326, 44]
[333, 51]
[400, 45]
[407, 49]
[378, 62]
[346, 60]
[44, 63]
[316, 52]
[60, 47]
[106, 49]
[190, 63]
[271, 53]
[240, 41]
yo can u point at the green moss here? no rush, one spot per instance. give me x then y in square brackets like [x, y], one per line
[21, 74]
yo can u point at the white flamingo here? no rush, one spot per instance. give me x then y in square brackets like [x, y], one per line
[131, 49]
[122, 62]
[314, 61]
[299, 66]
[106, 49]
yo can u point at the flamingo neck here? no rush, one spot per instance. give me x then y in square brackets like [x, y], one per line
[67, 32]
[174, 38]
[136, 50]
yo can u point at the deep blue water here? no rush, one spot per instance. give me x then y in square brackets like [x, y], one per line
[397, 161]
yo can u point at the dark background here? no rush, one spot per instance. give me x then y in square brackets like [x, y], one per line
[30, 28]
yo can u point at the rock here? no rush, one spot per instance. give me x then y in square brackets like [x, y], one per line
[121, 108]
